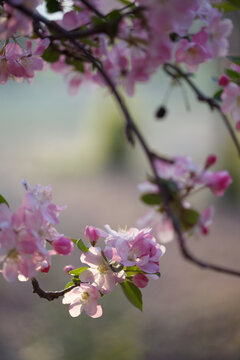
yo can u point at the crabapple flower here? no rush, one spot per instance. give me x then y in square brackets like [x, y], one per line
[231, 102]
[21, 64]
[24, 235]
[206, 219]
[83, 297]
[194, 52]
[134, 247]
[218, 182]
[13, 21]
[99, 273]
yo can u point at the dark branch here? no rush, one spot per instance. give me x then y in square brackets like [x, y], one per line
[132, 129]
[49, 295]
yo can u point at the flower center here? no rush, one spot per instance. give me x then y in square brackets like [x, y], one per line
[103, 268]
[13, 254]
[84, 298]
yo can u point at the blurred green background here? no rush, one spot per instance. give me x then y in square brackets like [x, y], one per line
[77, 144]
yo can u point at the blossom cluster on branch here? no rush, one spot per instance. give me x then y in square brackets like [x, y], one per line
[117, 44]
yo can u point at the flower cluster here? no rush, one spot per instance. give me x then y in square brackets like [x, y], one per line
[162, 31]
[15, 62]
[182, 178]
[25, 233]
[129, 258]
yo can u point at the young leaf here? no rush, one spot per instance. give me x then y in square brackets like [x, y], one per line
[50, 55]
[78, 271]
[71, 283]
[132, 293]
[217, 95]
[82, 246]
[234, 59]
[189, 218]
[151, 199]
[3, 200]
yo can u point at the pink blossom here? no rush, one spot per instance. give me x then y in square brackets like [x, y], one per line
[134, 248]
[21, 64]
[14, 21]
[218, 182]
[23, 236]
[100, 273]
[194, 52]
[205, 220]
[63, 246]
[231, 102]
[83, 297]
[140, 280]
[218, 30]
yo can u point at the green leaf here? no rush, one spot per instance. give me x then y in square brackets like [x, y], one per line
[71, 283]
[151, 199]
[225, 6]
[78, 271]
[189, 218]
[50, 55]
[234, 75]
[82, 246]
[132, 293]
[3, 200]
[125, 2]
[234, 59]
[217, 95]
[53, 6]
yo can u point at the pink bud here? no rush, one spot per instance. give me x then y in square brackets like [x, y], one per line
[63, 246]
[91, 235]
[140, 280]
[45, 267]
[211, 160]
[68, 268]
[223, 80]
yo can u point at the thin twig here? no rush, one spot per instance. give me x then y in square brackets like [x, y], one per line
[175, 72]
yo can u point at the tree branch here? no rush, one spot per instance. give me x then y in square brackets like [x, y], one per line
[49, 295]
[132, 129]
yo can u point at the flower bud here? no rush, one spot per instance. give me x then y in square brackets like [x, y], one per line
[210, 161]
[223, 80]
[140, 280]
[63, 246]
[68, 268]
[91, 235]
[45, 267]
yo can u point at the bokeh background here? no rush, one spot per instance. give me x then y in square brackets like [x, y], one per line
[77, 144]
